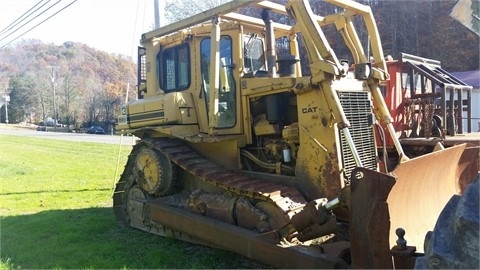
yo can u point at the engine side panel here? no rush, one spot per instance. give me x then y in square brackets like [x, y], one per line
[171, 108]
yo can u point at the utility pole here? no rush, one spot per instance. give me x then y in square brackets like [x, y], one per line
[4, 98]
[7, 99]
[55, 116]
[156, 14]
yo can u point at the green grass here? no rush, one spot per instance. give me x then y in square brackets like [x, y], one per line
[55, 212]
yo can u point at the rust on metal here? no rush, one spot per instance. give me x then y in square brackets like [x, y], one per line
[291, 199]
[404, 258]
[369, 219]
[242, 241]
[330, 171]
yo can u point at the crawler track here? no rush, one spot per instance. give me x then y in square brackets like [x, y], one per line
[286, 198]
[158, 216]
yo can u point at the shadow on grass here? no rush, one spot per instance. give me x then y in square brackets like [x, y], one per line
[90, 238]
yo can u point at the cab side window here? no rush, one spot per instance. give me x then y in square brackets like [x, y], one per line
[253, 56]
[174, 68]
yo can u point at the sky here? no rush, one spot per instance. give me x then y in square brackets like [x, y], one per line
[113, 26]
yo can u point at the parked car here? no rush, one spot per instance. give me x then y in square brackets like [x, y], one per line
[96, 130]
[52, 122]
[41, 127]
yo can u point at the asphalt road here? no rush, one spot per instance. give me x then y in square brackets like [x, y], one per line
[80, 137]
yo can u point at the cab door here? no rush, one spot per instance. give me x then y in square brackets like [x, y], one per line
[227, 107]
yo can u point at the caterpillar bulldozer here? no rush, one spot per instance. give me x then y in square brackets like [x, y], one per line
[238, 150]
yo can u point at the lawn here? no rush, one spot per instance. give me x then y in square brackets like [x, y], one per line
[55, 212]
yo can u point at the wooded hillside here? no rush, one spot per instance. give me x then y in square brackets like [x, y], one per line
[90, 85]
[425, 28]
[418, 27]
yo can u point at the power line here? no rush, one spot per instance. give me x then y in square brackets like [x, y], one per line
[11, 25]
[39, 23]
[31, 19]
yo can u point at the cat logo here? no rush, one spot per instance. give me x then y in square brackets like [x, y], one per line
[309, 110]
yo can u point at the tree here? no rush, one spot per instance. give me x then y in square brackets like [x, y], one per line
[21, 103]
[176, 10]
[68, 94]
[91, 101]
[111, 99]
[42, 93]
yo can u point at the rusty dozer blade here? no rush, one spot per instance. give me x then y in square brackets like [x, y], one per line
[423, 187]
[369, 220]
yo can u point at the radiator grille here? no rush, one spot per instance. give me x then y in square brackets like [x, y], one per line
[357, 108]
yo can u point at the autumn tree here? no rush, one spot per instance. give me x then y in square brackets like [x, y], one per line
[80, 75]
[91, 101]
[111, 99]
[21, 103]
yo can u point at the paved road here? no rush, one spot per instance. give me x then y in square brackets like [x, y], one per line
[81, 137]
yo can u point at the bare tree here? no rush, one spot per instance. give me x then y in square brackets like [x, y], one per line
[68, 94]
[176, 10]
[92, 93]
[42, 92]
[111, 99]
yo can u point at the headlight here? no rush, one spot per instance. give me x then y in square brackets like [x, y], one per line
[363, 71]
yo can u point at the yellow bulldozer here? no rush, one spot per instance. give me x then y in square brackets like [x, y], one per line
[240, 151]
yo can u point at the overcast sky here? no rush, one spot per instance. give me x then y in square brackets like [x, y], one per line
[114, 26]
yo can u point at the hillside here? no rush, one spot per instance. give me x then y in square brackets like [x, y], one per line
[89, 84]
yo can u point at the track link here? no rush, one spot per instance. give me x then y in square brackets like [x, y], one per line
[287, 198]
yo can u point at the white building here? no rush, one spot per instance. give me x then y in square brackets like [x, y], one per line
[472, 78]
